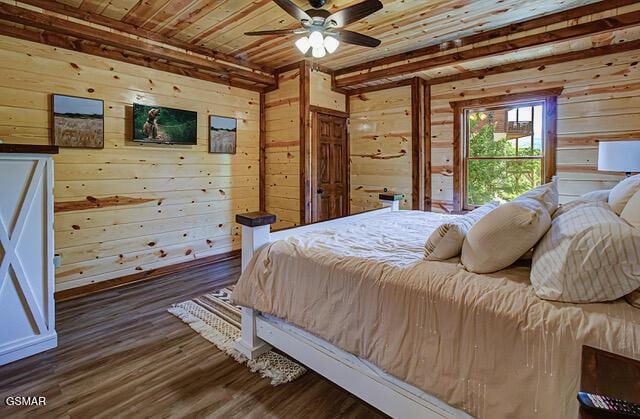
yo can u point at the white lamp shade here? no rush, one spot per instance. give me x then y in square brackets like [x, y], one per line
[619, 156]
[331, 44]
[316, 40]
[303, 44]
[318, 52]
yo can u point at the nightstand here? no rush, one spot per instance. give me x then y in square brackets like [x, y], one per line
[609, 374]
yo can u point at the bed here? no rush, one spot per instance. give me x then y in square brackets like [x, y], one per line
[354, 300]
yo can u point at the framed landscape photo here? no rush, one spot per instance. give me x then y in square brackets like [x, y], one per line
[222, 134]
[77, 122]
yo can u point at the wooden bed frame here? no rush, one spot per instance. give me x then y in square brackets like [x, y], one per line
[261, 332]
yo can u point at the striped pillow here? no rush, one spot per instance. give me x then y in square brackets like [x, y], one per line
[588, 255]
[446, 241]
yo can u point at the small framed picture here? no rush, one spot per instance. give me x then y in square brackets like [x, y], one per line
[77, 122]
[222, 134]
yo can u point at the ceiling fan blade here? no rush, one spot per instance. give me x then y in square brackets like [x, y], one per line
[290, 7]
[272, 32]
[356, 38]
[352, 13]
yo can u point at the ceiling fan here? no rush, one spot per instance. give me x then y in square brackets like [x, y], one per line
[325, 30]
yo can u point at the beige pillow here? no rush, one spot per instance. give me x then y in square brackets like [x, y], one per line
[547, 194]
[622, 193]
[504, 235]
[631, 211]
[588, 255]
[446, 241]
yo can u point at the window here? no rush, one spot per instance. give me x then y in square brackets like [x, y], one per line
[504, 147]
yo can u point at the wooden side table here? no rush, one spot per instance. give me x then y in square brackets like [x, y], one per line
[609, 374]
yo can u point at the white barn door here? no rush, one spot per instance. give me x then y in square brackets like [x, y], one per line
[27, 323]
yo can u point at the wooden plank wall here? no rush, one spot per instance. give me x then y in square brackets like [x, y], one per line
[380, 146]
[600, 100]
[322, 95]
[129, 207]
[282, 157]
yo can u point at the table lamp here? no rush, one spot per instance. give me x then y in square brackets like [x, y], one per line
[619, 156]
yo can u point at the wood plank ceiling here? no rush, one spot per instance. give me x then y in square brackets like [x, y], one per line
[205, 38]
[402, 25]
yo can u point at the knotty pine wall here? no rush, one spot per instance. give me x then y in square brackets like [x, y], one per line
[600, 100]
[321, 94]
[380, 146]
[282, 157]
[282, 150]
[131, 207]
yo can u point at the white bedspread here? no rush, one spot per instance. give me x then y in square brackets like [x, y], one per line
[397, 238]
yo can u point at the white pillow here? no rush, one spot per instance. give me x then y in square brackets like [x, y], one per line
[622, 193]
[504, 235]
[588, 255]
[601, 195]
[546, 194]
[631, 211]
[446, 241]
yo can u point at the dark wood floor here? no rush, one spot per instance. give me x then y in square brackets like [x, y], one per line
[121, 354]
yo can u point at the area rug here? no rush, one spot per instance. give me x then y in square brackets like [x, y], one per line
[218, 321]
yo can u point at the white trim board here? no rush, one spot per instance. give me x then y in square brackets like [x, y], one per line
[27, 347]
[383, 391]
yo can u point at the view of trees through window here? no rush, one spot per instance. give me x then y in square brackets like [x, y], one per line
[504, 152]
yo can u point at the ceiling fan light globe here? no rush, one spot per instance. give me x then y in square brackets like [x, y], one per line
[316, 40]
[303, 44]
[318, 52]
[331, 44]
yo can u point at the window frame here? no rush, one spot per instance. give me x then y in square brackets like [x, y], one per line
[549, 100]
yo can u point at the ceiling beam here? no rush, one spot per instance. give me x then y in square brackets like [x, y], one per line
[540, 62]
[378, 87]
[488, 35]
[61, 26]
[125, 27]
[500, 48]
[93, 48]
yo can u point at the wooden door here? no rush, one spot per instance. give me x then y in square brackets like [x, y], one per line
[331, 163]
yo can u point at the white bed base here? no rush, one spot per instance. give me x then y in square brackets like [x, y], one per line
[260, 332]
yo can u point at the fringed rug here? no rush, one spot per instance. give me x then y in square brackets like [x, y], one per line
[217, 320]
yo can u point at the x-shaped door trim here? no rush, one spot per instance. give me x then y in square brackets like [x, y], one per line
[10, 242]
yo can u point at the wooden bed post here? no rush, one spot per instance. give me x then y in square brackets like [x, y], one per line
[390, 199]
[256, 233]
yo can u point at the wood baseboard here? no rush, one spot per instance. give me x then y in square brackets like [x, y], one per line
[81, 291]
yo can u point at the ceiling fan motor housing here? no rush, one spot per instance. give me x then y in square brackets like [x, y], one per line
[317, 3]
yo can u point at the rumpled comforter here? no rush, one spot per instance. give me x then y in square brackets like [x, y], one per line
[485, 344]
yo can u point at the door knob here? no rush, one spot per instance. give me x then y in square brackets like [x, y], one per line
[320, 190]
